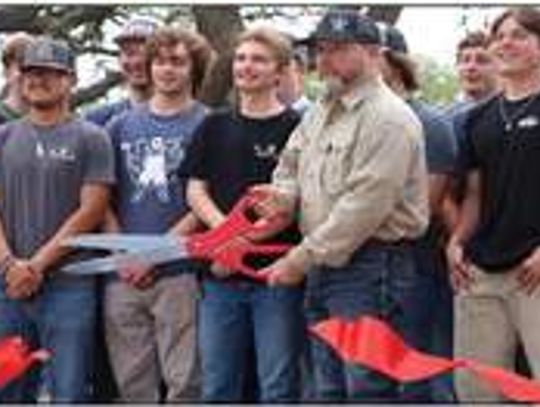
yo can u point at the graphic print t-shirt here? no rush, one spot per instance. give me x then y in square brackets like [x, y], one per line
[149, 149]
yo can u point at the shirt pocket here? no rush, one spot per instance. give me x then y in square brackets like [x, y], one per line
[337, 160]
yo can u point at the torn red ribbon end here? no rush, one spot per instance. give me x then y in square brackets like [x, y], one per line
[16, 358]
[370, 342]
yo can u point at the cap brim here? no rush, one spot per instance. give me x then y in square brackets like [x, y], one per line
[312, 40]
[134, 37]
[47, 65]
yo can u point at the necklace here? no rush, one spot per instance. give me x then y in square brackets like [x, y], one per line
[509, 119]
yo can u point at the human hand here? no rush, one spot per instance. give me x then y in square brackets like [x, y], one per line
[22, 279]
[138, 276]
[529, 273]
[283, 272]
[461, 276]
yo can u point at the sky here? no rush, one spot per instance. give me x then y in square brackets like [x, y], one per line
[434, 31]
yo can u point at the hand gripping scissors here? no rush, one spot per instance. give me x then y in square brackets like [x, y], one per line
[227, 245]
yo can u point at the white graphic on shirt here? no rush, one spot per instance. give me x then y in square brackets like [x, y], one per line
[266, 152]
[151, 165]
[62, 153]
[528, 122]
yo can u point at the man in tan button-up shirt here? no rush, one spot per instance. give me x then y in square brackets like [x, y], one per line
[354, 172]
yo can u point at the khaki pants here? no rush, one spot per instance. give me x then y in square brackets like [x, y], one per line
[151, 338]
[489, 319]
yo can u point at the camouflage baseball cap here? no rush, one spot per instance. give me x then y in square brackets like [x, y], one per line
[49, 53]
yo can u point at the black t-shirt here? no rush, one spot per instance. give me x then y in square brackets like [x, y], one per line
[232, 152]
[503, 142]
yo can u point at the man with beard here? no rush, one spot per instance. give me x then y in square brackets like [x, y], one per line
[355, 170]
[55, 171]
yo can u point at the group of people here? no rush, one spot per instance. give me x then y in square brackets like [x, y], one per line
[394, 208]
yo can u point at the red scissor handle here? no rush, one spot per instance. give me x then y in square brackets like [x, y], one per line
[222, 244]
[234, 256]
[241, 220]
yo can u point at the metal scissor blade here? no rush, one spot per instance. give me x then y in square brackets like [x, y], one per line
[117, 241]
[149, 257]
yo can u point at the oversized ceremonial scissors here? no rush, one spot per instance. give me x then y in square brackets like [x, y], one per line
[225, 245]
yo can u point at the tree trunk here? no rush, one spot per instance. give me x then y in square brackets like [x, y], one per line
[220, 24]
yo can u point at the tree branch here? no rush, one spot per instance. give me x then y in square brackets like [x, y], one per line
[97, 90]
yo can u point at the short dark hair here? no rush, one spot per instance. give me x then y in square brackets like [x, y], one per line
[527, 17]
[198, 48]
[473, 39]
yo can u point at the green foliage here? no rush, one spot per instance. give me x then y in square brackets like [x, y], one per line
[438, 82]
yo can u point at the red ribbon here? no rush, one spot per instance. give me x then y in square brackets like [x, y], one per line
[16, 359]
[372, 343]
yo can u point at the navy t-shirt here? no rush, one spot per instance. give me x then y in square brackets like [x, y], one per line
[508, 161]
[441, 149]
[103, 114]
[440, 157]
[149, 149]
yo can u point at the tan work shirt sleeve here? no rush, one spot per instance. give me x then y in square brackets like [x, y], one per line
[285, 176]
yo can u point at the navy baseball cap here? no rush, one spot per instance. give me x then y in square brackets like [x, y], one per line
[49, 53]
[393, 39]
[343, 25]
[137, 28]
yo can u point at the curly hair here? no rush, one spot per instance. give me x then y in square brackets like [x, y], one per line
[199, 50]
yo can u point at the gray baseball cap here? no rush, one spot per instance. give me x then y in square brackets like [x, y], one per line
[49, 53]
[137, 28]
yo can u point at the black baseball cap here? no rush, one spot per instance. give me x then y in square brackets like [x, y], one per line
[393, 39]
[343, 25]
[48, 53]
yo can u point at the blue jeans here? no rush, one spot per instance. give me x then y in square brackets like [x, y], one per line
[380, 280]
[231, 314]
[61, 319]
[436, 313]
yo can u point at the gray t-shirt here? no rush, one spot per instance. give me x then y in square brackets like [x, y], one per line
[42, 171]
